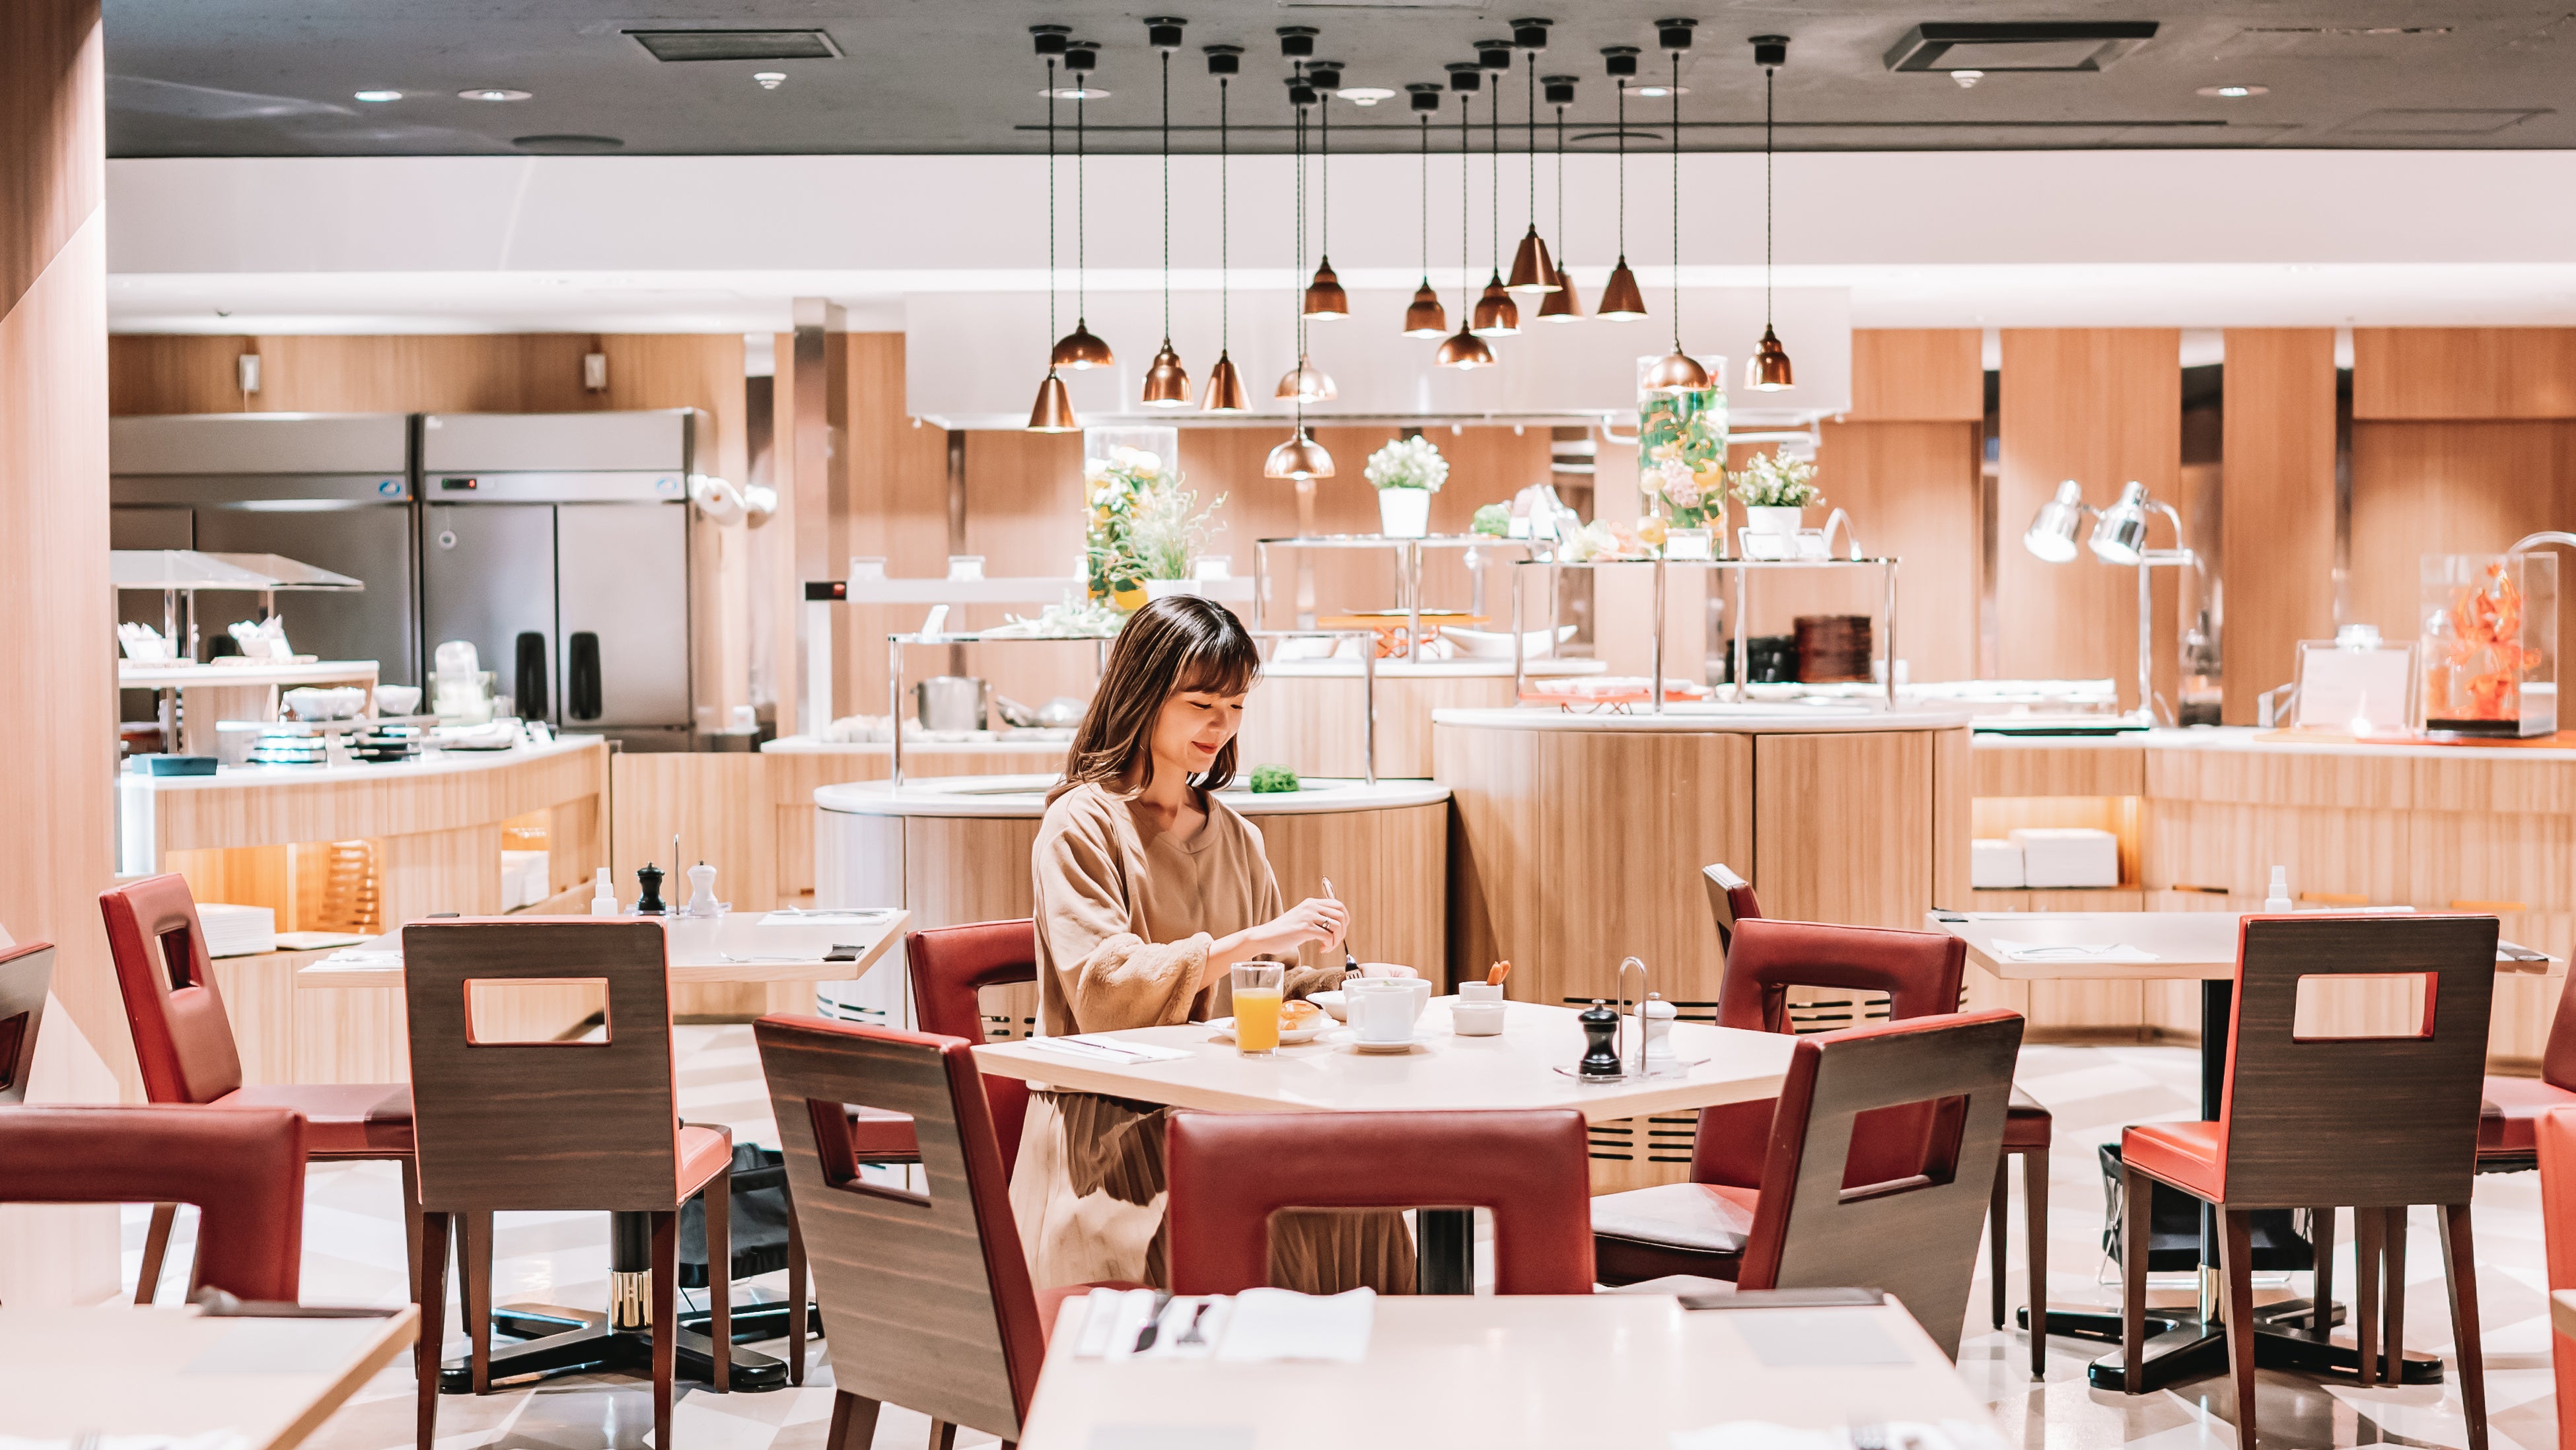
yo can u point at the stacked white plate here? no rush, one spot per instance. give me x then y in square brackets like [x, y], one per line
[237, 931]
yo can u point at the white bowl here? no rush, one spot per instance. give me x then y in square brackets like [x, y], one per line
[397, 699]
[1335, 1005]
[337, 703]
[1482, 644]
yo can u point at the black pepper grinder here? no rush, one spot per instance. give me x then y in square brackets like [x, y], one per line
[1600, 1029]
[648, 877]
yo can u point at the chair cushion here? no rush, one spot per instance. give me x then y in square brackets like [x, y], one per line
[2027, 1125]
[2186, 1155]
[1704, 1218]
[341, 1119]
[1051, 1301]
[704, 1152]
[1676, 1285]
[877, 1136]
[2507, 1119]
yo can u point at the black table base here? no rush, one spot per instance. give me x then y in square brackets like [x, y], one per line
[1444, 1251]
[2182, 1346]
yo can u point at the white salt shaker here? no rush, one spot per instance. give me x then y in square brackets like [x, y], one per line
[702, 891]
[1658, 1015]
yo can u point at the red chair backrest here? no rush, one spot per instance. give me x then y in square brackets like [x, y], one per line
[926, 1299]
[242, 1167]
[949, 965]
[1909, 1228]
[1918, 970]
[1229, 1172]
[182, 1038]
[2558, 1057]
[26, 974]
[1730, 900]
[2557, 1134]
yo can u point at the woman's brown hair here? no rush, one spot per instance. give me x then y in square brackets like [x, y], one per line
[1176, 644]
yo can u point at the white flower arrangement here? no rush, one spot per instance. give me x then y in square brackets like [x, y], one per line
[1776, 480]
[1413, 462]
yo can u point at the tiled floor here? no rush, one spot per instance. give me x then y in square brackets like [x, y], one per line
[353, 1254]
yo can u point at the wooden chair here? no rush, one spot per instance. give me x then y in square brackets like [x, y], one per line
[925, 1297]
[1834, 1211]
[583, 1125]
[2554, 1141]
[2028, 1131]
[1229, 1172]
[2379, 1123]
[243, 1170]
[183, 1041]
[26, 974]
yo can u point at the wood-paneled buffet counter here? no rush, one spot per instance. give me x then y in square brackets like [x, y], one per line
[798, 765]
[2204, 814]
[957, 850]
[1305, 714]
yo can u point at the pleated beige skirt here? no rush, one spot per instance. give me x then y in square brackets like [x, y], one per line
[1088, 1194]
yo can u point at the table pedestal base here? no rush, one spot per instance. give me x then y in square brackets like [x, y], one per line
[2181, 1346]
[569, 1341]
[1444, 1251]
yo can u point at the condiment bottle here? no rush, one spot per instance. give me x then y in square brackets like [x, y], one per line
[603, 897]
[648, 879]
[1600, 1030]
[702, 890]
[1658, 1015]
[2279, 900]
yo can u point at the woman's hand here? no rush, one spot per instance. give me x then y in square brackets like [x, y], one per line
[1314, 919]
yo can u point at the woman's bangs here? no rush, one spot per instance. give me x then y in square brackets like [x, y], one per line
[1229, 666]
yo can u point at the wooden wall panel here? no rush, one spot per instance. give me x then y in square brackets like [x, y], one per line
[1811, 863]
[2102, 406]
[896, 508]
[2279, 505]
[1911, 490]
[1918, 374]
[2463, 372]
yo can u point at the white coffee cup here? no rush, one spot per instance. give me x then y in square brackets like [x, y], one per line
[1381, 1011]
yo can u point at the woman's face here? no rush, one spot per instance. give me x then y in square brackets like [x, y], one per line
[1193, 726]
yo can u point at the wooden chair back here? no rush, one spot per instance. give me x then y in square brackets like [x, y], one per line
[582, 1125]
[925, 1296]
[1827, 1219]
[2375, 1122]
[242, 1167]
[183, 1040]
[949, 966]
[1730, 900]
[26, 974]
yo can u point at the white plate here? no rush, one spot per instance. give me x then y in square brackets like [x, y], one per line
[1223, 1028]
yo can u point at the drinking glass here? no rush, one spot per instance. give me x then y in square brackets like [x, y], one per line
[1257, 993]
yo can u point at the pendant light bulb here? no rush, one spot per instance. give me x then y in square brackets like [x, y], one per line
[1054, 410]
[1426, 317]
[1167, 383]
[1299, 458]
[1224, 393]
[1466, 352]
[1497, 315]
[1325, 299]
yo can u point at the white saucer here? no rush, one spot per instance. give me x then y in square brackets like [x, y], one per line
[1223, 1030]
[1385, 1048]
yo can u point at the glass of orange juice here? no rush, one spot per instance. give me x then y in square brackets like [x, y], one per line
[1257, 992]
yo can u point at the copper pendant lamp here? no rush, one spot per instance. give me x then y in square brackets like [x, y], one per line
[1533, 270]
[1080, 349]
[1464, 351]
[1426, 318]
[1677, 371]
[1325, 299]
[1768, 369]
[1621, 300]
[1053, 410]
[1561, 305]
[1224, 392]
[1300, 457]
[1167, 383]
[1496, 314]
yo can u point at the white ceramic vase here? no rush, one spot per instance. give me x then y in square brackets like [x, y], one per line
[1404, 513]
[1778, 521]
[1166, 588]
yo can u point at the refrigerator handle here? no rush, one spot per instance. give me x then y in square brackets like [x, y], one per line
[582, 686]
[532, 674]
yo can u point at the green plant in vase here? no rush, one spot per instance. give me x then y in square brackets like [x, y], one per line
[1144, 525]
[1682, 440]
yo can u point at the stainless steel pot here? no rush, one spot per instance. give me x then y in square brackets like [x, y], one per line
[951, 702]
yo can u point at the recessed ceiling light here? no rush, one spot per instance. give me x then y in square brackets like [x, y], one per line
[2235, 92]
[1967, 79]
[769, 79]
[1078, 93]
[1658, 92]
[1365, 95]
[491, 93]
[380, 95]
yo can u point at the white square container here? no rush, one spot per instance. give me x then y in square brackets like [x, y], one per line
[1994, 865]
[2072, 856]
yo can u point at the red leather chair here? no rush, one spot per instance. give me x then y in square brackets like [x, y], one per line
[1229, 1172]
[2028, 1129]
[244, 1171]
[2554, 1141]
[2377, 1123]
[2513, 1106]
[184, 1043]
[889, 1263]
[26, 974]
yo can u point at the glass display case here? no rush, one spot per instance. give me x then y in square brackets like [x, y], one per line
[2490, 656]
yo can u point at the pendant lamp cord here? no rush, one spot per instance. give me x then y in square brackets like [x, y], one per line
[1224, 229]
[1297, 281]
[1677, 201]
[1081, 218]
[1494, 192]
[1560, 185]
[1466, 183]
[1426, 201]
[1767, 73]
[1533, 145]
[1050, 130]
[1621, 87]
[1167, 199]
[1324, 182]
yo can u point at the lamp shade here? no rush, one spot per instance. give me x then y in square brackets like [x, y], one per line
[1305, 383]
[2051, 535]
[1167, 383]
[1497, 315]
[1054, 410]
[1325, 299]
[1561, 305]
[1532, 269]
[1620, 299]
[1224, 389]
[1426, 317]
[1677, 372]
[1079, 349]
[1300, 457]
[1466, 352]
[1768, 369]
[2120, 535]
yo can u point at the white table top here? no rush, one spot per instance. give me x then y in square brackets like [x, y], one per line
[1499, 1372]
[779, 953]
[432, 761]
[2187, 945]
[1516, 1069]
[1751, 718]
[124, 1370]
[1023, 797]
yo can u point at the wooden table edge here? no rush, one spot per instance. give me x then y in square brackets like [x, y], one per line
[402, 1328]
[307, 978]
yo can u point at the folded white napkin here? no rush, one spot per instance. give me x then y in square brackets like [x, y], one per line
[2031, 951]
[356, 960]
[1101, 1048]
[1272, 1324]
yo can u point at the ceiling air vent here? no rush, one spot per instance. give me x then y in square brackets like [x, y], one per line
[2014, 45]
[673, 45]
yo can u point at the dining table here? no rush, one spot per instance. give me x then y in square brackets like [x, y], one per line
[1529, 1064]
[2201, 946]
[260, 1381]
[1502, 1372]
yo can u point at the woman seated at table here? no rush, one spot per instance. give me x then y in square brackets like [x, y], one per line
[1149, 891]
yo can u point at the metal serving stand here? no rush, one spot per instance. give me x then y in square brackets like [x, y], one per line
[178, 574]
[1741, 568]
[1408, 554]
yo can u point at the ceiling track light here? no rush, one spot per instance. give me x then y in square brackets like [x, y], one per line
[1768, 370]
[1464, 351]
[1053, 410]
[1677, 372]
[1224, 392]
[1621, 299]
[1167, 383]
[1426, 317]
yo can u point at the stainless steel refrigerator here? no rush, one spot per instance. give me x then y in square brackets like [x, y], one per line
[331, 490]
[558, 544]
